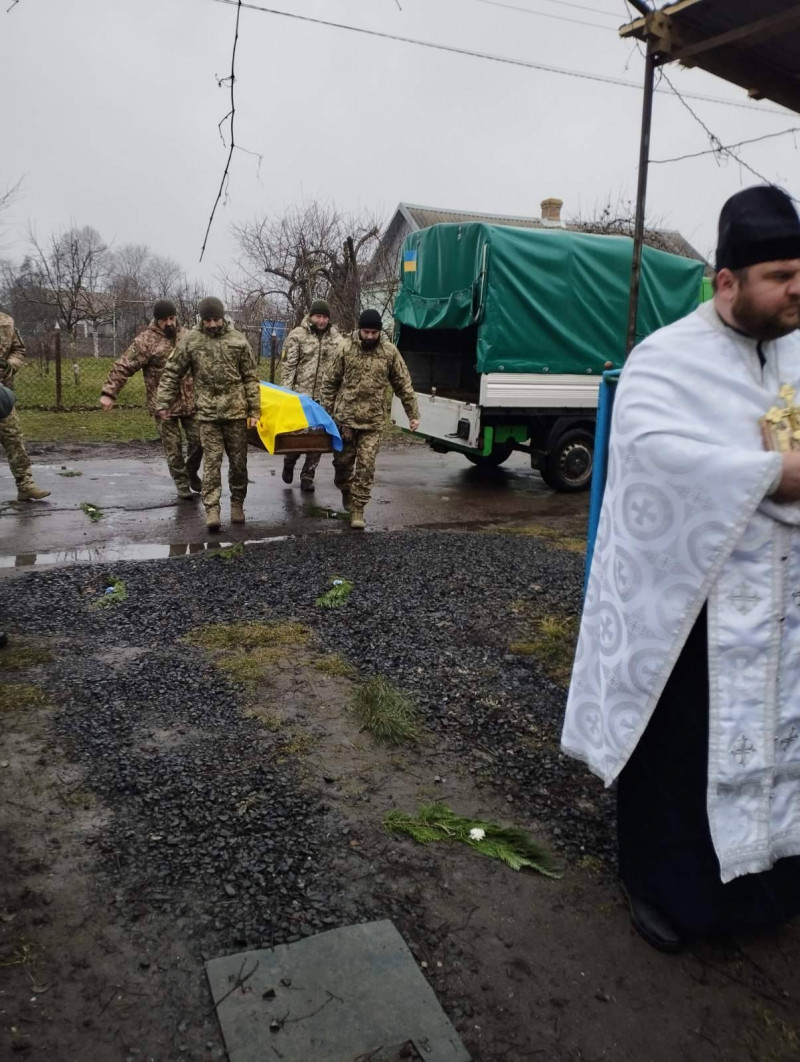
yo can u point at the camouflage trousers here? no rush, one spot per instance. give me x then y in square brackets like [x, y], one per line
[219, 437]
[354, 466]
[14, 445]
[170, 432]
[309, 465]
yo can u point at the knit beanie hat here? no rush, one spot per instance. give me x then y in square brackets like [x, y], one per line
[758, 224]
[164, 308]
[320, 306]
[210, 307]
[370, 319]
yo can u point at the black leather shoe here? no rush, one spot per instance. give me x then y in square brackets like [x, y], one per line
[196, 483]
[288, 473]
[307, 484]
[652, 926]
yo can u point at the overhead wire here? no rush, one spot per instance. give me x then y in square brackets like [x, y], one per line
[716, 144]
[546, 14]
[490, 57]
[726, 148]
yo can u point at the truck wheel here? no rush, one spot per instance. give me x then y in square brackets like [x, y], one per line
[568, 466]
[492, 460]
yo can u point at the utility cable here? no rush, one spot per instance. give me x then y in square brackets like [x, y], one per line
[527, 64]
[546, 14]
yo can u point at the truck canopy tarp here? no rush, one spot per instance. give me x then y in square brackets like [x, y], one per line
[546, 300]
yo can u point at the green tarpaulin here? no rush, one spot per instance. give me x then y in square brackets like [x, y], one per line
[544, 300]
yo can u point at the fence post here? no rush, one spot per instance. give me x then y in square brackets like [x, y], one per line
[273, 346]
[57, 352]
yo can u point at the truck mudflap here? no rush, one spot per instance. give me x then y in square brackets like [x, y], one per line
[456, 424]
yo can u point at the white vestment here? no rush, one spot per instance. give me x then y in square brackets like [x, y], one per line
[686, 519]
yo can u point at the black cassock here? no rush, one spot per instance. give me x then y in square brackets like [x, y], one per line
[666, 855]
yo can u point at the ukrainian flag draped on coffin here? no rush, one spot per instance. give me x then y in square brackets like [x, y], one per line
[283, 410]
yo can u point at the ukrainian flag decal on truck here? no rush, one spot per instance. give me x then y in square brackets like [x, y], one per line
[409, 261]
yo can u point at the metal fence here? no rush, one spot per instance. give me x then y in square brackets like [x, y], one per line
[62, 373]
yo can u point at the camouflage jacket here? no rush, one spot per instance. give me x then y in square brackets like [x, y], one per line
[149, 352]
[306, 357]
[354, 388]
[12, 350]
[226, 383]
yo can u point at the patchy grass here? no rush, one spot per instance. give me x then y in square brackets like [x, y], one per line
[228, 553]
[253, 665]
[385, 712]
[772, 1039]
[14, 695]
[267, 719]
[553, 644]
[572, 543]
[19, 657]
[249, 635]
[298, 744]
[121, 426]
[333, 664]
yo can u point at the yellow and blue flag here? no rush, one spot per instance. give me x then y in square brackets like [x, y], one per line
[284, 410]
[410, 261]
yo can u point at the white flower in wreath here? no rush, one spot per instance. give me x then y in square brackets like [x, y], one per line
[477, 834]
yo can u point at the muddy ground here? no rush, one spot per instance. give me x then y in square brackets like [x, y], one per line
[165, 802]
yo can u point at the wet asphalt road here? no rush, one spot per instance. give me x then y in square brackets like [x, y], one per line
[143, 518]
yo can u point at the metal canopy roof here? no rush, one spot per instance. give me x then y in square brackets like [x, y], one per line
[755, 45]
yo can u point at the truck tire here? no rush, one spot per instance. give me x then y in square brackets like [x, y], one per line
[492, 460]
[568, 466]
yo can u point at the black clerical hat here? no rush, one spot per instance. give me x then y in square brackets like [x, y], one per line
[757, 225]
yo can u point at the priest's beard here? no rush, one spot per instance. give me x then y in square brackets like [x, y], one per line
[170, 331]
[369, 344]
[762, 323]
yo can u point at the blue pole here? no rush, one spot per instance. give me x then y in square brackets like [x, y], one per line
[602, 432]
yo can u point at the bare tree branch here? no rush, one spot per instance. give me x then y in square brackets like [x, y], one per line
[231, 115]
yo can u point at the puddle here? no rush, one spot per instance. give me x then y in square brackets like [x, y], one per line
[130, 552]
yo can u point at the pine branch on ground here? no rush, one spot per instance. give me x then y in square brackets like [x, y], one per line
[340, 590]
[510, 844]
[385, 712]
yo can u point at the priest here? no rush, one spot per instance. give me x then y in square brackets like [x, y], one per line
[686, 683]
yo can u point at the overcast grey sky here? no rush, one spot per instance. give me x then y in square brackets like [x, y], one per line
[109, 108]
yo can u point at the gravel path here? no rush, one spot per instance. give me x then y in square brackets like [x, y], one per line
[205, 817]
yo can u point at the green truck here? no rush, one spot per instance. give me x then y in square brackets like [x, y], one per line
[506, 333]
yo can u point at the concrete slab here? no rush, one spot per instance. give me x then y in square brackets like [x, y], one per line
[349, 995]
[143, 518]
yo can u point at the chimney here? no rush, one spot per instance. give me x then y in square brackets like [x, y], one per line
[551, 213]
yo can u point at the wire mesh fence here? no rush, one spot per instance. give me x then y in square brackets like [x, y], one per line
[62, 373]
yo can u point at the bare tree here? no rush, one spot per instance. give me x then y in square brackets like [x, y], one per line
[8, 194]
[68, 274]
[308, 253]
[618, 217]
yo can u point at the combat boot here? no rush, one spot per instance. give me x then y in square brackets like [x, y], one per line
[237, 512]
[195, 483]
[30, 492]
[288, 471]
[357, 519]
[212, 518]
[307, 484]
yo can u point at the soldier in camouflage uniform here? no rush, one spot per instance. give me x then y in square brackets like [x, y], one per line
[149, 353]
[354, 394]
[307, 352]
[227, 398]
[12, 355]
